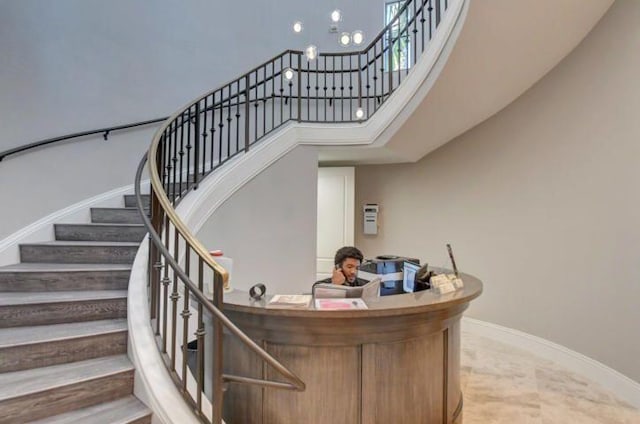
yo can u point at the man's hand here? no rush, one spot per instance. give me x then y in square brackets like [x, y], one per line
[338, 277]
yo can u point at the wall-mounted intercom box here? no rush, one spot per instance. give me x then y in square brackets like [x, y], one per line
[370, 211]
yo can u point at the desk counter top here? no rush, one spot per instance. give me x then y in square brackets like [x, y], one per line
[384, 306]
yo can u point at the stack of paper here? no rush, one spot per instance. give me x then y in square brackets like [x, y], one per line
[340, 304]
[293, 301]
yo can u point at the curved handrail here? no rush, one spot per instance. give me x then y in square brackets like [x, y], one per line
[227, 121]
[104, 131]
[296, 383]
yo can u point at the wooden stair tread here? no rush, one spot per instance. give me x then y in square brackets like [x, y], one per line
[30, 298]
[102, 224]
[62, 267]
[22, 383]
[83, 243]
[128, 208]
[120, 411]
[45, 333]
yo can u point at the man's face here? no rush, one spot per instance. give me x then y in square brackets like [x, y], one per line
[350, 269]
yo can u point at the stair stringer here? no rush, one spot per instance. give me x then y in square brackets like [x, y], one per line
[42, 229]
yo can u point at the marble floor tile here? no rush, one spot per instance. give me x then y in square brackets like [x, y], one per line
[503, 384]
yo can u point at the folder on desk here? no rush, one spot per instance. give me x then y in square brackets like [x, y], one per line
[329, 291]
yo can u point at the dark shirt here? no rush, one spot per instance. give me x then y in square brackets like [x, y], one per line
[357, 283]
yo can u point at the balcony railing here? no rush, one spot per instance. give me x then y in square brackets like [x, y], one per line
[228, 121]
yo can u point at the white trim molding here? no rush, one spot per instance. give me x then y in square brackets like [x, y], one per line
[42, 229]
[619, 384]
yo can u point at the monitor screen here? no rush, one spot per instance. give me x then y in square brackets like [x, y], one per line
[409, 276]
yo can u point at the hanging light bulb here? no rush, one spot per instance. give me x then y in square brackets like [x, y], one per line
[336, 16]
[288, 74]
[345, 39]
[311, 52]
[297, 27]
[360, 113]
[357, 37]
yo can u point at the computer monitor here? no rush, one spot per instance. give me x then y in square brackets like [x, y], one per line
[409, 270]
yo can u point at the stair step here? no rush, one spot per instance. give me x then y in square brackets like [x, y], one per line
[100, 232]
[39, 277]
[40, 346]
[127, 410]
[116, 216]
[130, 200]
[79, 252]
[19, 309]
[44, 392]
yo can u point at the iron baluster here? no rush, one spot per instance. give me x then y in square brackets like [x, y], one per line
[228, 128]
[299, 95]
[165, 288]
[182, 167]
[204, 137]
[415, 33]
[217, 354]
[342, 88]
[317, 88]
[196, 143]
[174, 304]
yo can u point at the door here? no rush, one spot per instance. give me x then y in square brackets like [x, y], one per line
[336, 194]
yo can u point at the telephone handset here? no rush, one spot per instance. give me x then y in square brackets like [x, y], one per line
[423, 274]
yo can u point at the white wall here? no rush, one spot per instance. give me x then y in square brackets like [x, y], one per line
[74, 65]
[268, 227]
[540, 202]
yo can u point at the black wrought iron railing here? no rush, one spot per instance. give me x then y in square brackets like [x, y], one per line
[210, 131]
[74, 136]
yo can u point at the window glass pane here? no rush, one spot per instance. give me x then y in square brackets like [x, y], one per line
[397, 36]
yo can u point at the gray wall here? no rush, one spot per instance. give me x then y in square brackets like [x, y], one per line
[74, 65]
[38, 183]
[80, 64]
[268, 227]
[539, 201]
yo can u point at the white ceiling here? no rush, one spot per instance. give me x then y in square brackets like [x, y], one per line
[504, 48]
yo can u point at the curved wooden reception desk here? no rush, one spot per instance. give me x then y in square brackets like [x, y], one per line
[396, 362]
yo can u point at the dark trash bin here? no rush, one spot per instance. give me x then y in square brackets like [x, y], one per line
[192, 356]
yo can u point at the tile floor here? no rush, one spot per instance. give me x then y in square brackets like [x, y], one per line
[502, 384]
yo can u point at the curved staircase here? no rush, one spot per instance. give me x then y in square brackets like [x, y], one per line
[63, 327]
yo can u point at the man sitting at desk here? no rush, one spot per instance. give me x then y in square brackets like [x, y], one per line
[347, 261]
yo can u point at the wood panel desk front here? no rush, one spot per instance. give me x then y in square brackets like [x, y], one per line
[396, 362]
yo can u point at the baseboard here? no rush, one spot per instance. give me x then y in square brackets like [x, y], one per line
[42, 229]
[620, 385]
